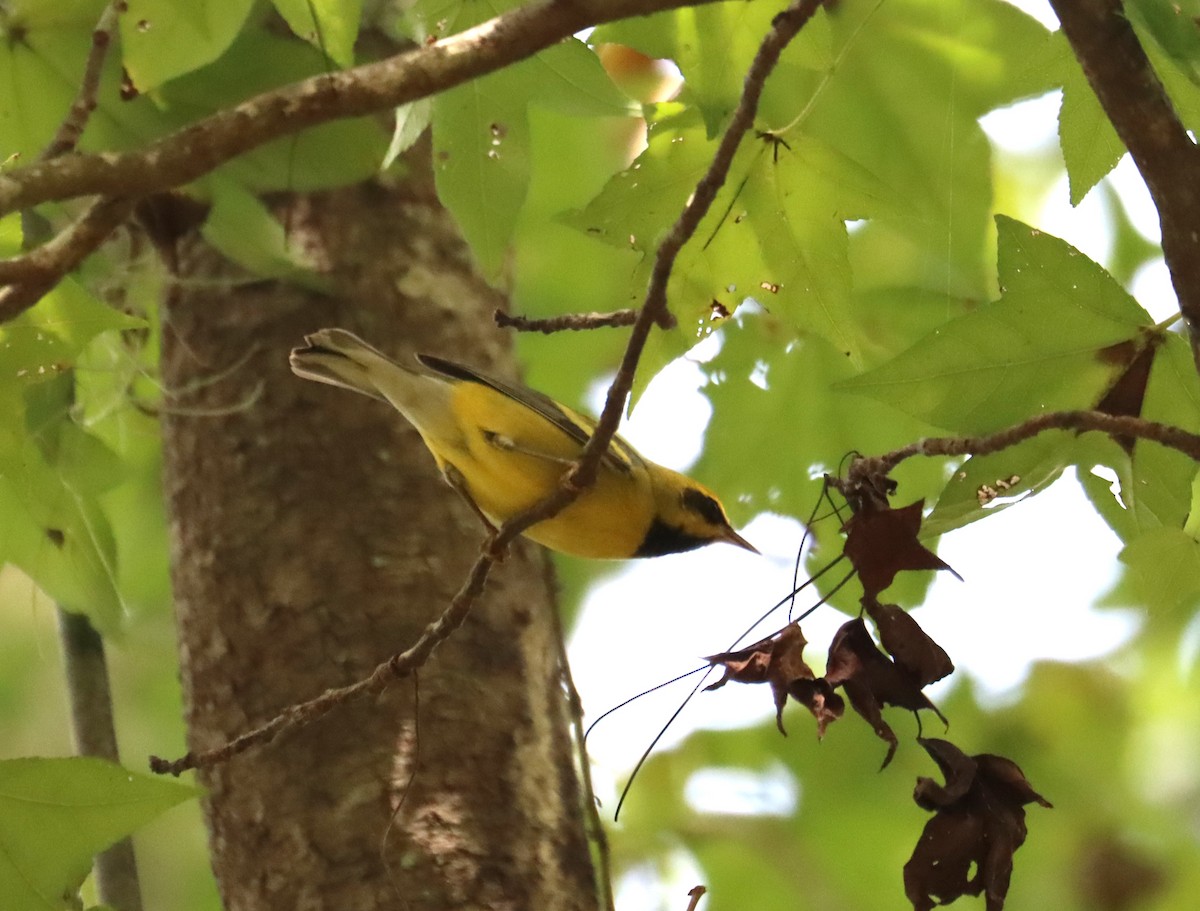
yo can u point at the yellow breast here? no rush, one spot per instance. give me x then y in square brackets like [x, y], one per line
[510, 457]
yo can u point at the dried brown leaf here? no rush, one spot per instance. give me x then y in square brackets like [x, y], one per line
[779, 661]
[872, 680]
[882, 542]
[818, 696]
[908, 644]
[978, 825]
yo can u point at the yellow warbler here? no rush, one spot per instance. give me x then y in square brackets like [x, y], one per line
[504, 447]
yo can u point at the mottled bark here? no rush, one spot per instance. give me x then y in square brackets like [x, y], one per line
[312, 537]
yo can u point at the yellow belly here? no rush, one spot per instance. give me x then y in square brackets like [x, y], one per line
[608, 521]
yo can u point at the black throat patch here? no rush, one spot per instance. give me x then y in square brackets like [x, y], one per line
[667, 539]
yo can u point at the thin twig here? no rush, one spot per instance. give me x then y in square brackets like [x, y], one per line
[784, 27]
[69, 131]
[696, 893]
[569, 321]
[1120, 425]
[592, 824]
[26, 279]
[395, 668]
[1136, 103]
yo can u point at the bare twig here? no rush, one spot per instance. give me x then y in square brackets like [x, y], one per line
[94, 733]
[695, 893]
[395, 668]
[784, 27]
[25, 279]
[862, 470]
[81, 108]
[592, 824]
[1119, 72]
[571, 321]
[195, 150]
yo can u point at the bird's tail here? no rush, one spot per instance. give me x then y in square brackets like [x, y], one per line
[341, 358]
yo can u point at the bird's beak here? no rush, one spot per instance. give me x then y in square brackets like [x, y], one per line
[734, 538]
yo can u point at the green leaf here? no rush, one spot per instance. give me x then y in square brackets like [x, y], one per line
[58, 534]
[55, 814]
[1173, 27]
[780, 422]
[28, 126]
[47, 63]
[51, 470]
[986, 484]
[244, 230]
[1036, 349]
[43, 342]
[163, 39]
[1162, 574]
[481, 138]
[639, 204]
[411, 121]
[961, 59]
[776, 231]
[1159, 486]
[333, 154]
[1090, 145]
[329, 25]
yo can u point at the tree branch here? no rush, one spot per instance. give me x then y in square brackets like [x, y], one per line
[567, 321]
[1135, 101]
[196, 150]
[25, 279]
[868, 470]
[69, 131]
[784, 27]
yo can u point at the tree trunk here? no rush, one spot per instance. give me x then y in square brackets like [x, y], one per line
[313, 537]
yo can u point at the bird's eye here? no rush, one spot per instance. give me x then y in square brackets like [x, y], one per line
[704, 506]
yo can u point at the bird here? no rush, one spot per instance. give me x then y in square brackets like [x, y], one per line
[504, 447]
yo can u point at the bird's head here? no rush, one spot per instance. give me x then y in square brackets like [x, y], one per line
[687, 516]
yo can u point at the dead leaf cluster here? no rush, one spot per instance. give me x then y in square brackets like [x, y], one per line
[967, 847]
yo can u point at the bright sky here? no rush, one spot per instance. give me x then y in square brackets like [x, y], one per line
[654, 619]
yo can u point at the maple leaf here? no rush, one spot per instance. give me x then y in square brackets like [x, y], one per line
[882, 542]
[779, 661]
[978, 824]
[908, 644]
[872, 680]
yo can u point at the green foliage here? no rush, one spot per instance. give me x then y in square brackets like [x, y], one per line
[223, 58]
[331, 26]
[56, 813]
[242, 228]
[481, 138]
[1039, 344]
[54, 472]
[164, 39]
